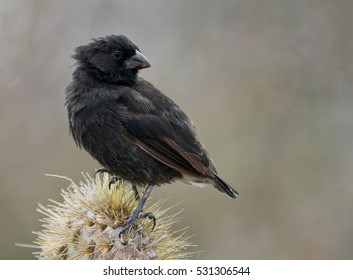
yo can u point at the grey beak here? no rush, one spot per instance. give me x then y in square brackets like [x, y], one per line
[138, 61]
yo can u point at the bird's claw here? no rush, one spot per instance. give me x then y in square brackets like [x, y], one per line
[151, 216]
[100, 170]
[113, 180]
[136, 192]
[132, 219]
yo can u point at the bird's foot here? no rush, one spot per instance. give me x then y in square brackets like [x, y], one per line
[151, 216]
[113, 180]
[133, 218]
[136, 192]
[100, 170]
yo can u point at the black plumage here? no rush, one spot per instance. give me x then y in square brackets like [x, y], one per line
[130, 127]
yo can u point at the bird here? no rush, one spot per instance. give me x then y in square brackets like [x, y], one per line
[131, 128]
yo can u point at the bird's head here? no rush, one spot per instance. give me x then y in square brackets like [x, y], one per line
[113, 59]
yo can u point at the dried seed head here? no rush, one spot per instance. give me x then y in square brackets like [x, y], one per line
[87, 225]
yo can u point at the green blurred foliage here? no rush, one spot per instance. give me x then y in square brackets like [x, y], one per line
[269, 84]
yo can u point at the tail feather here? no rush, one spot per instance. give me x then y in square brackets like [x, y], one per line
[224, 187]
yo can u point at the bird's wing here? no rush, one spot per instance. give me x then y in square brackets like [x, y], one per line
[157, 136]
[165, 134]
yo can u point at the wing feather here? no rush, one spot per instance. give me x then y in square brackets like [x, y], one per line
[156, 137]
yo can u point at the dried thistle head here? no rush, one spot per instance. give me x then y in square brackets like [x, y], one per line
[87, 225]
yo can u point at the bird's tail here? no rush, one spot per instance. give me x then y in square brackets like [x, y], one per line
[222, 186]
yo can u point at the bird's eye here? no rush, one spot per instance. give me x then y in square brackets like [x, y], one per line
[117, 54]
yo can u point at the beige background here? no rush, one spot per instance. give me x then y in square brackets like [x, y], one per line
[268, 84]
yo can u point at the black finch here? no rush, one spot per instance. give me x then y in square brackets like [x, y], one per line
[132, 129]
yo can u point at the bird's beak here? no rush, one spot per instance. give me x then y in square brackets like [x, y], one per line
[138, 61]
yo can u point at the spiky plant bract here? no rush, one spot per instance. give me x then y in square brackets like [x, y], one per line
[87, 223]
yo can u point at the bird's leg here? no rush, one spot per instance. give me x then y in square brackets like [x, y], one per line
[136, 213]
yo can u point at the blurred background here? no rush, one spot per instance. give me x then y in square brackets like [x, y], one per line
[269, 84]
